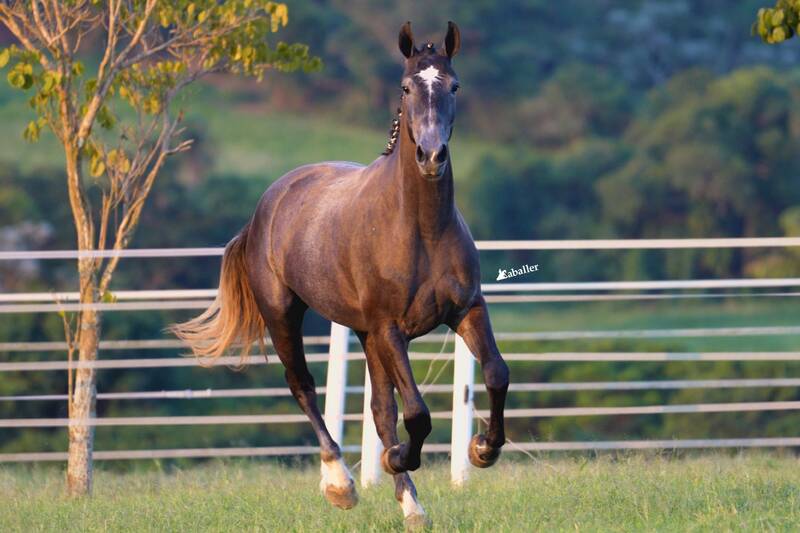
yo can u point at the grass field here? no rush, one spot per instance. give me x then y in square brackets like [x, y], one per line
[750, 492]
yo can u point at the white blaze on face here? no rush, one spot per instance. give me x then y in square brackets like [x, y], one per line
[430, 76]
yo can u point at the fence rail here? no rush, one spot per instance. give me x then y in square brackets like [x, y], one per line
[272, 392]
[254, 360]
[463, 411]
[588, 244]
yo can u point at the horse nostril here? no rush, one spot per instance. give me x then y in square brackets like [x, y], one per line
[420, 155]
[441, 156]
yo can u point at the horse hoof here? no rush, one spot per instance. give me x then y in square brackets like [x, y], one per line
[481, 454]
[342, 497]
[417, 522]
[390, 456]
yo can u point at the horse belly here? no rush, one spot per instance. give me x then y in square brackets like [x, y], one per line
[313, 272]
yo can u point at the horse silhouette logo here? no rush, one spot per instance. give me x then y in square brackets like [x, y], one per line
[514, 272]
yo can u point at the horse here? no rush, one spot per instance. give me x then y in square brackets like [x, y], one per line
[381, 249]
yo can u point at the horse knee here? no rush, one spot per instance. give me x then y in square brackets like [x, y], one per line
[417, 420]
[496, 374]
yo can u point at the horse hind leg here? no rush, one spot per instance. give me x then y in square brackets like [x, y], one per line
[285, 329]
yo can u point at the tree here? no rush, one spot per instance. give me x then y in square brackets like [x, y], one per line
[775, 25]
[578, 101]
[709, 156]
[117, 126]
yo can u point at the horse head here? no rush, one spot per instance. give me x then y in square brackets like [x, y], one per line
[429, 88]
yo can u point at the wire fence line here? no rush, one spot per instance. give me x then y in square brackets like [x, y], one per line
[537, 298]
[435, 337]
[74, 296]
[545, 412]
[185, 453]
[190, 294]
[590, 244]
[255, 360]
[171, 300]
[130, 344]
[271, 392]
[641, 244]
[166, 305]
[277, 451]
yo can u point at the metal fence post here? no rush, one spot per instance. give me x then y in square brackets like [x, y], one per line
[371, 446]
[463, 390]
[336, 381]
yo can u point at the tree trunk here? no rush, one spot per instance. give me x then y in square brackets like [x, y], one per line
[82, 407]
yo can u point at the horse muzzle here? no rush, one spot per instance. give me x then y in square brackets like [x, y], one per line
[432, 162]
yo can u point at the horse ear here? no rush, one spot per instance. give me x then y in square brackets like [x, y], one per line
[406, 40]
[452, 42]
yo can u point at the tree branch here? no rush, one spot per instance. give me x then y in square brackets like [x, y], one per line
[7, 18]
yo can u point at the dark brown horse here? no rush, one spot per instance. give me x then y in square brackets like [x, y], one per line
[381, 249]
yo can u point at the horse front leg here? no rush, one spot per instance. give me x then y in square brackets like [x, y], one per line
[384, 412]
[390, 347]
[476, 330]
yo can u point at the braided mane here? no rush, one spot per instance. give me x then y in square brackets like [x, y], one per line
[394, 133]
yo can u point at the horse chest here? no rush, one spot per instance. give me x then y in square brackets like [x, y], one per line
[433, 303]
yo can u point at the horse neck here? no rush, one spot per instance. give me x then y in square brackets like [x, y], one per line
[428, 205]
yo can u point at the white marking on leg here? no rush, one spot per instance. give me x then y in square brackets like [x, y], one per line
[334, 473]
[410, 505]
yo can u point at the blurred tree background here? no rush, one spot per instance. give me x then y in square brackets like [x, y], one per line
[606, 119]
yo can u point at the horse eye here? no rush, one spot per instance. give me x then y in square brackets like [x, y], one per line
[454, 88]
[405, 88]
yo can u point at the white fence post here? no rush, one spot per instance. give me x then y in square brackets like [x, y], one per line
[336, 381]
[371, 446]
[463, 390]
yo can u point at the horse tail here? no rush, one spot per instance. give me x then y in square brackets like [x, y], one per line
[233, 317]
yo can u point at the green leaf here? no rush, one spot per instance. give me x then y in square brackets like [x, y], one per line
[49, 81]
[90, 86]
[77, 68]
[108, 297]
[97, 166]
[31, 133]
[21, 76]
[118, 160]
[5, 55]
[16, 79]
[105, 118]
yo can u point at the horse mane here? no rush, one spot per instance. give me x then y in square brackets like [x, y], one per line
[394, 132]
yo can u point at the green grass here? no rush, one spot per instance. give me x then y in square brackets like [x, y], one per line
[751, 492]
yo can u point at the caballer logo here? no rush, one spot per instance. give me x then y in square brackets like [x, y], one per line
[512, 272]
